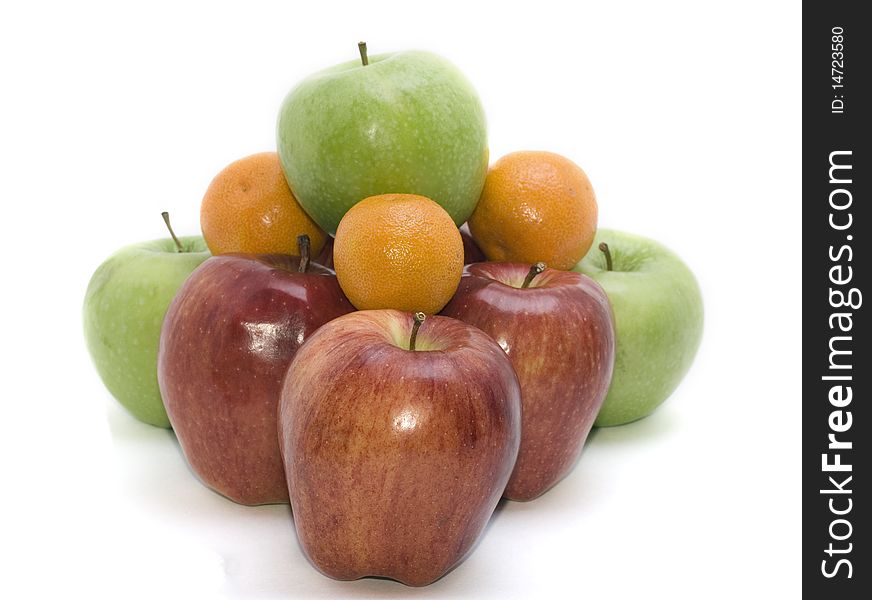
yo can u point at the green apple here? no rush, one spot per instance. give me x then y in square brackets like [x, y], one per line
[658, 321]
[124, 308]
[407, 122]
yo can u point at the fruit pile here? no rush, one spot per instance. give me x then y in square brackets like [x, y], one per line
[385, 332]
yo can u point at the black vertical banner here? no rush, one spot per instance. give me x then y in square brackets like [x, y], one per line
[836, 370]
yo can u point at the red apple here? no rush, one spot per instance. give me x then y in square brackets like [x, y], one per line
[225, 346]
[471, 252]
[396, 458]
[557, 328]
[325, 258]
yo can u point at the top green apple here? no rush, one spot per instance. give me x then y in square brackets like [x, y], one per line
[407, 122]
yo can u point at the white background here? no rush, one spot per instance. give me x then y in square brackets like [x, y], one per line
[686, 117]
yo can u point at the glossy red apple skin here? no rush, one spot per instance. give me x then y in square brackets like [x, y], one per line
[559, 335]
[226, 343]
[471, 252]
[396, 459]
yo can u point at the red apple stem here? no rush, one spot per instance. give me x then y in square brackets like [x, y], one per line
[166, 218]
[419, 318]
[304, 245]
[363, 58]
[531, 274]
[604, 248]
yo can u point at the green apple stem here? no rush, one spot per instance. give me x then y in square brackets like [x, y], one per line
[166, 218]
[419, 318]
[604, 248]
[363, 58]
[304, 246]
[534, 270]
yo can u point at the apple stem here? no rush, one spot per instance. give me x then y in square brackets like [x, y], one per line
[304, 245]
[604, 248]
[166, 218]
[363, 58]
[419, 318]
[531, 274]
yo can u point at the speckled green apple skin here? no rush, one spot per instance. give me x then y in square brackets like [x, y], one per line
[658, 322]
[407, 122]
[124, 308]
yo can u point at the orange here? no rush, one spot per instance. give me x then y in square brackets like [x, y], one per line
[399, 251]
[250, 208]
[535, 206]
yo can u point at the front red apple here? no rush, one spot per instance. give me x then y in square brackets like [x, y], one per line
[396, 458]
[557, 329]
[226, 343]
